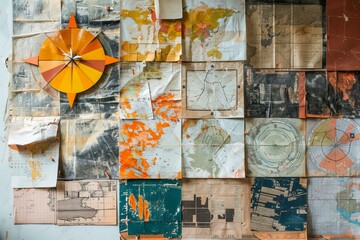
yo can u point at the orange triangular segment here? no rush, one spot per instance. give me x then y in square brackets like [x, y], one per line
[95, 64]
[71, 98]
[50, 74]
[110, 60]
[32, 60]
[80, 39]
[72, 21]
[81, 81]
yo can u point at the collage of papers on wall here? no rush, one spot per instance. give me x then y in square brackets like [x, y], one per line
[187, 119]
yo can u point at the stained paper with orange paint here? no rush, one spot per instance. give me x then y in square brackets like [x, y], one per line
[214, 30]
[146, 38]
[213, 148]
[150, 149]
[34, 155]
[150, 90]
[333, 94]
[150, 207]
[333, 147]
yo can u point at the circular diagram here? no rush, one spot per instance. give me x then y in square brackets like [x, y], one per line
[275, 147]
[334, 146]
[71, 60]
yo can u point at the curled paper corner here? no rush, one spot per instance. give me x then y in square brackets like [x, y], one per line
[35, 134]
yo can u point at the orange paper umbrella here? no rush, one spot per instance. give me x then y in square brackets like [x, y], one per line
[72, 60]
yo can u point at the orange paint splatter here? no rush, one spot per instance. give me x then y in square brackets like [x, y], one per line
[342, 81]
[345, 82]
[138, 138]
[132, 202]
[187, 124]
[154, 161]
[165, 107]
[338, 166]
[146, 211]
[144, 164]
[141, 207]
[153, 14]
[35, 167]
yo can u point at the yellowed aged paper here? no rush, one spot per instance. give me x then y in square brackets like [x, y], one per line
[214, 208]
[34, 206]
[168, 9]
[87, 202]
[285, 35]
[213, 90]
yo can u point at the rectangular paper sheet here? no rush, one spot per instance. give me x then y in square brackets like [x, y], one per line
[275, 94]
[333, 147]
[212, 90]
[333, 94]
[213, 148]
[216, 209]
[343, 35]
[340, 216]
[150, 91]
[168, 9]
[146, 38]
[150, 207]
[34, 158]
[279, 205]
[89, 149]
[275, 147]
[284, 35]
[214, 30]
[35, 206]
[87, 202]
[150, 149]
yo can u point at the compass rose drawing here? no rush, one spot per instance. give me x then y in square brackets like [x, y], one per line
[71, 60]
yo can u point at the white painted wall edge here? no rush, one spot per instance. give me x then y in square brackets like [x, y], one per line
[7, 227]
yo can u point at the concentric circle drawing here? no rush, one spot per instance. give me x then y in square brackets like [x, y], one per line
[334, 147]
[71, 60]
[275, 147]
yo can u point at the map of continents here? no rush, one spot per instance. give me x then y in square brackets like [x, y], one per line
[214, 30]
